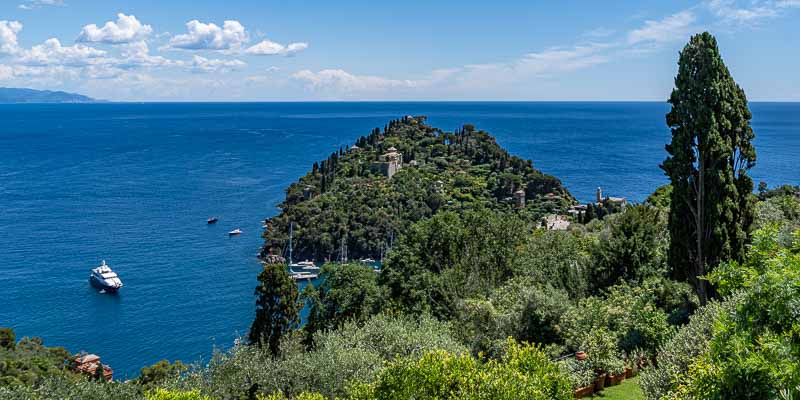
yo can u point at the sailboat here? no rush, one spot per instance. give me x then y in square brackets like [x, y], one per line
[298, 275]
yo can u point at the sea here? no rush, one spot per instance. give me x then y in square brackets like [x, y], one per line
[133, 184]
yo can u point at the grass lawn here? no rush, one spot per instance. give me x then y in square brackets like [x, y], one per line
[629, 389]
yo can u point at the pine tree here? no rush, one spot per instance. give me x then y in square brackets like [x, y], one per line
[711, 151]
[277, 307]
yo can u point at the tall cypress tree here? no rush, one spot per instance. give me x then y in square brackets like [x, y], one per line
[277, 307]
[712, 210]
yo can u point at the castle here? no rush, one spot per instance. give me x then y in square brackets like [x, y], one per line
[388, 164]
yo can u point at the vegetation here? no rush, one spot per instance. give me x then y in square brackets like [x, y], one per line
[346, 203]
[712, 206]
[28, 361]
[277, 308]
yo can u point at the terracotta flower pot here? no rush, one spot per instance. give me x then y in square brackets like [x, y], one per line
[583, 392]
[580, 356]
[613, 380]
[628, 372]
[600, 383]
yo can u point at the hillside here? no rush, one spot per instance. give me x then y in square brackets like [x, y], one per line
[362, 197]
[16, 95]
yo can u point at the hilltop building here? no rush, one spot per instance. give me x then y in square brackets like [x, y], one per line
[519, 198]
[555, 222]
[388, 164]
[620, 201]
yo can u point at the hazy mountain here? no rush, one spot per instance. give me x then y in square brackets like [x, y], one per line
[17, 95]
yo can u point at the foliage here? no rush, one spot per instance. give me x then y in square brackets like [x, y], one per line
[347, 292]
[660, 198]
[63, 387]
[343, 200]
[450, 257]
[782, 211]
[163, 394]
[301, 396]
[631, 248]
[8, 339]
[628, 317]
[160, 372]
[354, 352]
[524, 372]
[520, 309]
[277, 308]
[675, 356]
[754, 352]
[557, 258]
[712, 206]
[580, 373]
[29, 361]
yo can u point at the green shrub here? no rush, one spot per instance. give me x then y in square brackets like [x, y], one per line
[754, 351]
[520, 309]
[350, 353]
[65, 388]
[675, 356]
[580, 373]
[162, 394]
[524, 372]
[347, 292]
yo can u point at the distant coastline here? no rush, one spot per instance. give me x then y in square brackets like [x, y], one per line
[32, 96]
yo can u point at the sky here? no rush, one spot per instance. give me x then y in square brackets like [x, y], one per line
[359, 50]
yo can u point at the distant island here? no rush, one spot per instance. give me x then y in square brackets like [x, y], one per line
[21, 95]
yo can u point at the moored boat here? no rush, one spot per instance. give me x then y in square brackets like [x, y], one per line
[305, 265]
[104, 278]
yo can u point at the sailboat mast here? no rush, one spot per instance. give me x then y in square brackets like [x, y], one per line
[291, 234]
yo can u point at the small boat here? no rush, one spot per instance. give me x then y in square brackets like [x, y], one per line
[212, 220]
[235, 232]
[302, 275]
[367, 260]
[105, 279]
[305, 265]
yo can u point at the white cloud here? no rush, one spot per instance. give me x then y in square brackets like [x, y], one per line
[8, 36]
[202, 64]
[125, 30]
[341, 81]
[34, 4]
[137, 55]
[729, 11]
[751, 12]
[231, 35]
[674, 27]
[268, 47]
[51, 52]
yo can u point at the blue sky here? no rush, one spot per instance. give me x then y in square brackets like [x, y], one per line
[248, 50]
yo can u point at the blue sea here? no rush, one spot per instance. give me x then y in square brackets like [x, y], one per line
[133, 184]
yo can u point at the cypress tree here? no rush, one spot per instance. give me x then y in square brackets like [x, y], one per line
[277, 308]
[98, 373]
[711, 151]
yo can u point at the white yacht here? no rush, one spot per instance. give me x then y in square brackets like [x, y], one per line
[104, 278]
[305, 265]
[302, 275]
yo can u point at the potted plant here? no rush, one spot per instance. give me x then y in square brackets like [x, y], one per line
[629, 365]
[615, 371]
[639, 359]
[581, 375]
[600, 382]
